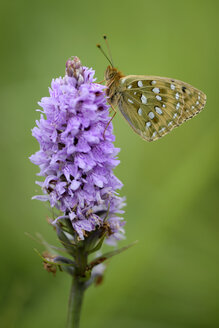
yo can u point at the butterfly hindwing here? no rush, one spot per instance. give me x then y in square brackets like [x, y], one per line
[153, 105]
[194, 102]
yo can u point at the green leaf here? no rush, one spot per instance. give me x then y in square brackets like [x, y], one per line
[108, 255]
[98, 246]
[69, 246]
[57, 262]
[40, 240]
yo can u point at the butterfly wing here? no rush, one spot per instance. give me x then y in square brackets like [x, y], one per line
[154, 105]
[194, 102]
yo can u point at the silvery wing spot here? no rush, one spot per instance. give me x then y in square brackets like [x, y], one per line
[152, 105]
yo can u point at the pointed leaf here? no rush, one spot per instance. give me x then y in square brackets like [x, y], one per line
[53, 262]
[108, 255]
[70, 247]
[43, 242]
[98, 246]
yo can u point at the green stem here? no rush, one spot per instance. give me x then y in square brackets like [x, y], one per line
[75, 303]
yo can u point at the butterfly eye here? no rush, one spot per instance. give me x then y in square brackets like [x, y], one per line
[110, 73]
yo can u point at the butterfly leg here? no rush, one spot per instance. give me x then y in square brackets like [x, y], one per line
[112, 107]
[114, 114]
[101, 82]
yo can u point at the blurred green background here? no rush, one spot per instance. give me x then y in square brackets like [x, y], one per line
[170, 279]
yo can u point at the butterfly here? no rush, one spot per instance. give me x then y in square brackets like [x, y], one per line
[152, 105]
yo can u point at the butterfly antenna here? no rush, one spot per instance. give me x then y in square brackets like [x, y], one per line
[107, 44]
[105, 55]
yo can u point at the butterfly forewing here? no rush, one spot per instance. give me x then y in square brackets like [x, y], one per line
[153, 105]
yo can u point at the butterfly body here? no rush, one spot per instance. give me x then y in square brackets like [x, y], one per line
[152, 105]
[114, 88]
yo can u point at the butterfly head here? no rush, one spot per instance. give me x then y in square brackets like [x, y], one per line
[112, 73]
